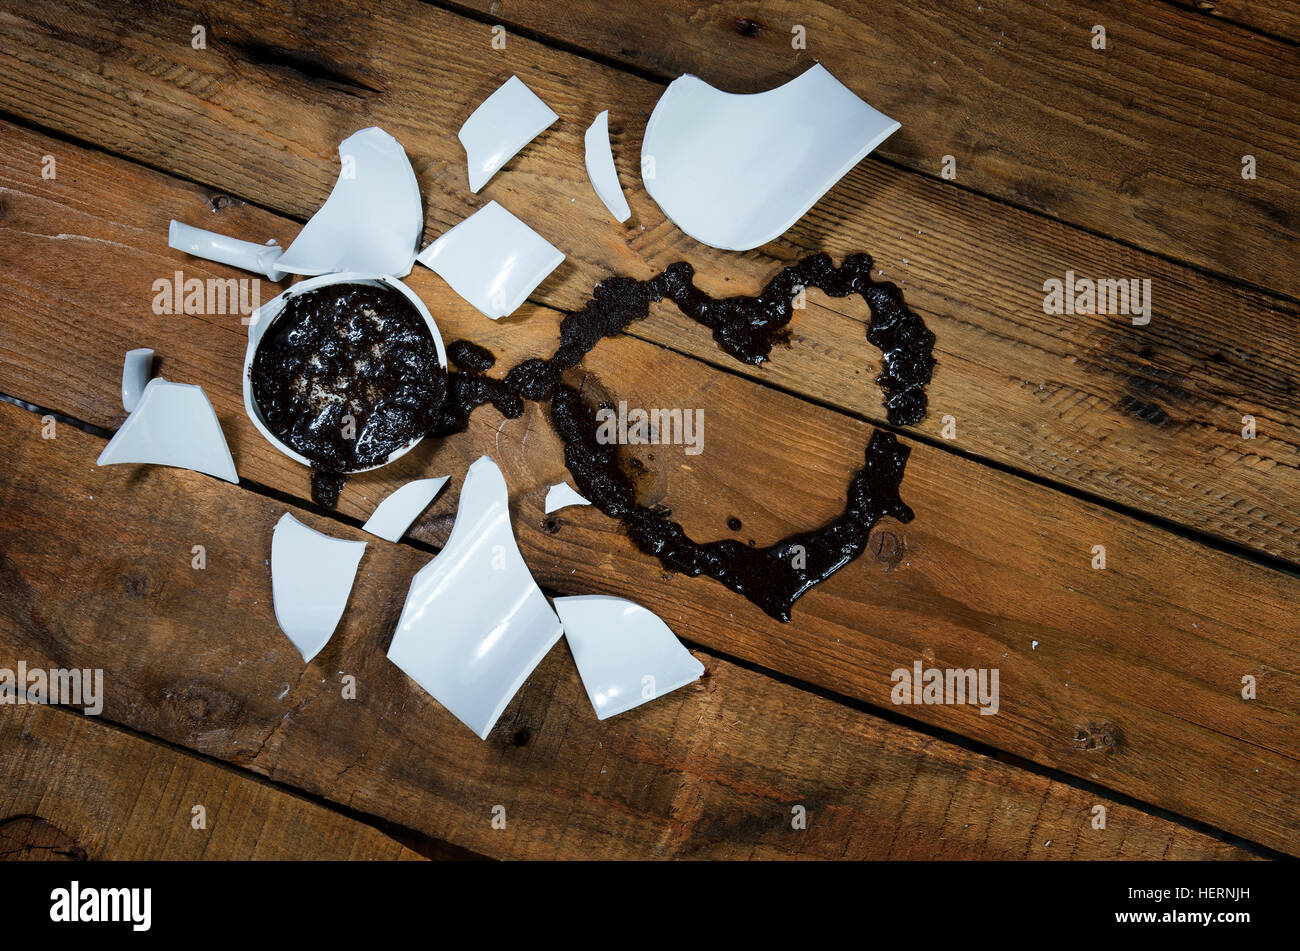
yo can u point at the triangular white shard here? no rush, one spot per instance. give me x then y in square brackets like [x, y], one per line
[492, 259]
[601, 171]
[507, 120]
[736, 171]
[311, 578]
[137, 367]
[373, 218]
[625, 654]
[561, 495]
[475, 624]
[395, 514]
[172, 425]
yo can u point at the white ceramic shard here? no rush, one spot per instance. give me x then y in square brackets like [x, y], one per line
[507, 120]
[172, 425]
[601, 171]
[137, 367]
[475, 624]
[311, 578]
[264, 317]
[211, 246]
[372, 219]
[395, 514]
[625, 654]
[493, 260]
[562, 495]
[735, 171]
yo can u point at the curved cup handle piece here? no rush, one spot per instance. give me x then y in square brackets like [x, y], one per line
[218, 247]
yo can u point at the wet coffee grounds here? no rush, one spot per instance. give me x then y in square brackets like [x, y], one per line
[346, 375]
[773, 577]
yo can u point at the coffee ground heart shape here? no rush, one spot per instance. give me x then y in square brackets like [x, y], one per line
[773, 577]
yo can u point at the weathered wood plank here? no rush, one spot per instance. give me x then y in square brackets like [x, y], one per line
[1279, 18]
[713, 770]
[74, 789]
[1150, 416]
[1132, 677]
[1164, 113]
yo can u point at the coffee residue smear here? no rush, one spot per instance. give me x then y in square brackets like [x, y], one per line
[365, 351]
[346, 375]
[746, 327]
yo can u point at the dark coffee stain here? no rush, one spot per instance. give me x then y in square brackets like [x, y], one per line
[775, 576]
[735, 524]
[888, 549]
[136, 587]
[747, 27]
[313, 67]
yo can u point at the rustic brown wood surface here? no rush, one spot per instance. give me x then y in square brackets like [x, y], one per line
[1115, 140]
[1102, 665]
[1128, 678]
[73, 789]
[1147, 417]
[712, 770]
[1279, 18]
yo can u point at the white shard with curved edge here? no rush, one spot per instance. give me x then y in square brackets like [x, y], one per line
[562, 495]
[396, 513]
[372, 219]
[137, 367]
[493, 260]
[172, 425]
[475, 624]
[311, 578]
[735, 171]
[625, 653]
[601, 171]
[494, 133]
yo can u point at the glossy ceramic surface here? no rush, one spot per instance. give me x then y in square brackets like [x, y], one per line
[395, 514]
[625, 654]
[311, 578]
[736, 171]
[475, 624]
[493, 260]
[601, 171]
[137, 368]
[172, 425]
[507, 120]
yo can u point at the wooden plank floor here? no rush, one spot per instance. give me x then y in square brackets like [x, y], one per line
[1120, 687]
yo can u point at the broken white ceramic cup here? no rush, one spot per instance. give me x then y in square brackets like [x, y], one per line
[506, 121]
[311, 578]
[262, 319]
[137, 368]
[625, 653]
[601, 171]
[371, 222]
[562, 495]
[394, 515]
[493, 260]
[259, 258]
[173, 424]
[735, 171]
[475, 624]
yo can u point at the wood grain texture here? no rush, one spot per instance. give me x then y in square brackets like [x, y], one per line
[1141, 141]
[74, 789]
[1149, 417]
[1279, 18]
[1129, 676]
[711, 770]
